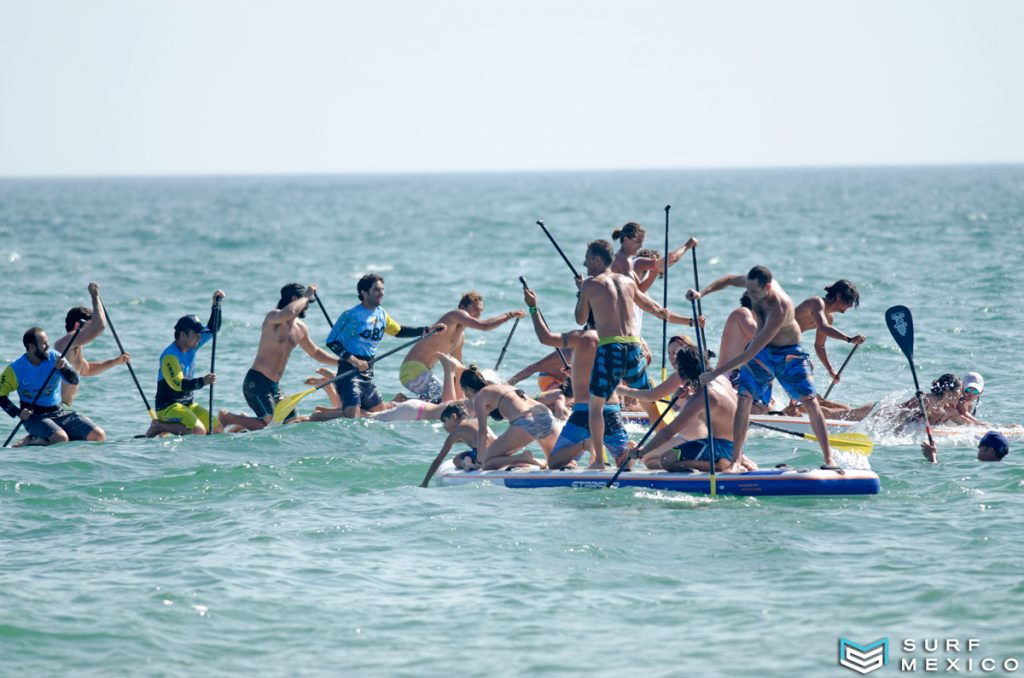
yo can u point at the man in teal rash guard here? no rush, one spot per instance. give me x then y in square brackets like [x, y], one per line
[48, 420]
[355, 337]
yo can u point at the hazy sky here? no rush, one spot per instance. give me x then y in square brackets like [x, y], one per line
[313, 86]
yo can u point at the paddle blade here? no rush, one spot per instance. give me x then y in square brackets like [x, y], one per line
[901, 327]
[287, 404]
[857, 443]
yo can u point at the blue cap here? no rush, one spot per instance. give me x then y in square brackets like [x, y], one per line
[995, 441]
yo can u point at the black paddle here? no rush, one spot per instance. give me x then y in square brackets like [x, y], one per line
[501, 356]
[120, 348]
[707, 401]
[551, 238]
[625, 461]
[327, 316]
[213, 360]
[696, 286]
[841, 368]
[664, 302]
[45, 382]
[901, 327]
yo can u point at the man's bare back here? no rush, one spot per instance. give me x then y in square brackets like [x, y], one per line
[610, 297]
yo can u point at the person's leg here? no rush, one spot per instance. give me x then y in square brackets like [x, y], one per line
[817, 422]
[513, 439]
[80, 427]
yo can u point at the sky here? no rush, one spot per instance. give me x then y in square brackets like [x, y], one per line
[141, 87]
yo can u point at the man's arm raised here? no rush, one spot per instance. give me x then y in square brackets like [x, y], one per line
[464, 318]
[720, 284]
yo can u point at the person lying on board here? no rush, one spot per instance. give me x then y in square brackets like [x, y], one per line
[993, 446]
[94, 322]
[697, 454]
[575, 434]
[416, 373]
[355, 337]
[282, 330]
[938, 404]
[528, 420]
[967, 404]
[773, 353]
[609, 298]
[176, 410]
[36, 377]
[550, 368]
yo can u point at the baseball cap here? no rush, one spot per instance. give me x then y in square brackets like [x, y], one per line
[995, 441]
[189, 323]
[973, 380]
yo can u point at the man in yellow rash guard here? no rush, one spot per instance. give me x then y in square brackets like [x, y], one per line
[175, 381]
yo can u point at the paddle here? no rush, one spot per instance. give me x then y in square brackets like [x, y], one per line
[501, 356]
[567, 262]
[288, 403]
[696, 286]
[901, 327]
[664, 302]
[707, 400]
[841, 368]
[45, 382]
[850, 442]
[561, 355]
[120, 348]
[213, 361]
[625, 461]
[327, 316]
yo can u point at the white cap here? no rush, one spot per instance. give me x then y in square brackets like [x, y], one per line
[975, 381]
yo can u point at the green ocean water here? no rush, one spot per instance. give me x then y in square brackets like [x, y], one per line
[310, 550]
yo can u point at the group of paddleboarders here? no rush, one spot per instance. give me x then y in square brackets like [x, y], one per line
[586, 378]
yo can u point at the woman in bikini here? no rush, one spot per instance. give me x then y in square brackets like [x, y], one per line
[528, 420]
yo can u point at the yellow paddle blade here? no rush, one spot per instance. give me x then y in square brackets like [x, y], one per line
[661, 409]
[850, 442]
[287, 404]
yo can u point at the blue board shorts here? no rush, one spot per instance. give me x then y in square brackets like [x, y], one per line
[789, 364]
[697, 450]
[618, 359]
[577, 429]
[357, 390]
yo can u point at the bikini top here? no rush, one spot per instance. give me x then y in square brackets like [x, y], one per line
[496, 412]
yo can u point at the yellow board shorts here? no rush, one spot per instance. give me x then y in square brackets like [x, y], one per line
[189, 415]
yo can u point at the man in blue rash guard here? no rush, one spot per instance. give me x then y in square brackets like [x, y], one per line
[355, 337]
[48, 420]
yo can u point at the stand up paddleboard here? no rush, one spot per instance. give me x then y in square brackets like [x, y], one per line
[782, 482]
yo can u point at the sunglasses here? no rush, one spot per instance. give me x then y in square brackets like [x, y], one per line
[970, 390]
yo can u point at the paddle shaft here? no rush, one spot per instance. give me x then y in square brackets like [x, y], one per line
[707, 399]
[696, 286]
[131, 371]
[501, 356]
[45, 382]
[350, 372]
[625, 462]
[213, 362]
[552, 239]
[664, 301]
[841, 368]
[327, 316]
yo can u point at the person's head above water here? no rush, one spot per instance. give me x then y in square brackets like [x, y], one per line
[993, 446]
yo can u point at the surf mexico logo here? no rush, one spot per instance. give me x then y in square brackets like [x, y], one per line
[863, 658]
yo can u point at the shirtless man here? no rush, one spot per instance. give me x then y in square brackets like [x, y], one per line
[695, 454]
[95, 322]
[631, 240]
[610, 298]
[818, 312]
[576, 432]
[773, 353]
[281, 332]
[415, 372]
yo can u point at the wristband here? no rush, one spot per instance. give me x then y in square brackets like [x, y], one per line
[532, 309]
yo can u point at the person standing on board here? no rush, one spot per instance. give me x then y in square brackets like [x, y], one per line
[95, 322]
[773, 353]
[47, 421]
[355, 338]
[818, 312]
[281, 332]
[416, 371]
[576, 432]
[610, 298]
[176, 410]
